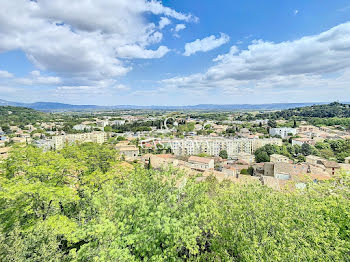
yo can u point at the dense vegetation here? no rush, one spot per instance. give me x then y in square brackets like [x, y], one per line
[83, 204]
[334, 109]
[10, 115]
[330, 114]
[336, 150]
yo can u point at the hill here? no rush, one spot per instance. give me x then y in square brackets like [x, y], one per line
[12, 115]
[52, 106]
[331, 110]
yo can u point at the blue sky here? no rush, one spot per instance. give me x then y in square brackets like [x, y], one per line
[169, 52]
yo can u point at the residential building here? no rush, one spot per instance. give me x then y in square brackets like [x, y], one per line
[118, 122]
[276, 158]
[283, 131]
[20, 139]
[4, 152]
[330, 167]
[129, 151]
[82, 127]
[301, 141]
[347, 160]
[212, 146]
[58, 142]
[102, 123]
[201, 163]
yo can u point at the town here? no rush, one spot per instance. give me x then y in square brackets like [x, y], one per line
[193, 130]
[237, 146]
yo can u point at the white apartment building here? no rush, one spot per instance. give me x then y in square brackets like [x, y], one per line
[118, 122]
[82, 127]
[213, 146]
[58, 142]
[283, 131]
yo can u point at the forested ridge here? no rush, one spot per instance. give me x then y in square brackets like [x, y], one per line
[11, 115]
[331, 110]
[84, 203]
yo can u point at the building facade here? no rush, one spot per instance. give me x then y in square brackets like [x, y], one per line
[213, 146]
[283, 131]
[58, 142]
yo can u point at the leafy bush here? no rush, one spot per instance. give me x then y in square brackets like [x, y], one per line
[83, 204]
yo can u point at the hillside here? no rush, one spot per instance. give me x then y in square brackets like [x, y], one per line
[11, 115]
[334, 109]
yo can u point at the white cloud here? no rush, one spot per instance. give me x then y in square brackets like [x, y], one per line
[164, 22]
[84, 39]
[5, 74]
[34, 78]
[205, 44]
[296, 12]
[135, 51]
[121, 87]
[180, 27]
[35, 73]
[318, 61]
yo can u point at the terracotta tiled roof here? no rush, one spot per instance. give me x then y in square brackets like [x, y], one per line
[330, 164]
[199, 159]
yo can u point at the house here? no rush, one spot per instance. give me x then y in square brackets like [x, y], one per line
[235, 169]
[330, 167]
[301, 141]
[4, 152]
[248, 158]
[82, 127]
[129, 151]
[314, 160]
[286, 171]
[201, 163]
[19, 139]
[118, 122]
[347, 160]
[283, 131]
[275, 158]
[229, 170]
[220, 176]
[102, 123]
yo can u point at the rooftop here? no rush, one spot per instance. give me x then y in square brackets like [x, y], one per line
[199, 159]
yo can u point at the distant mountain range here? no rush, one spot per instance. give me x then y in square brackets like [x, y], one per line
[52, 106]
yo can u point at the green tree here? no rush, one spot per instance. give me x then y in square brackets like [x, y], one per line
[272, 123]
[261, 156]
[83, 204]
[223, 154]
[108, 129]
[306, 149]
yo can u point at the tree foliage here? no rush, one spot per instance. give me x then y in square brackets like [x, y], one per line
[83, 204]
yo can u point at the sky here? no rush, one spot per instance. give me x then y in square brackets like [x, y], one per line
[174, 52]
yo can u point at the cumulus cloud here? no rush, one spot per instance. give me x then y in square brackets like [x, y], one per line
[76, 39]
[164, 22]
[34, 78]
[205, 44]
[5, 74]
[39, 80]
[180, 27]
[321, 60]
[135, 51]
